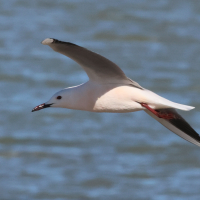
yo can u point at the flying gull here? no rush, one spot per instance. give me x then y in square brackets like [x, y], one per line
[110, 90]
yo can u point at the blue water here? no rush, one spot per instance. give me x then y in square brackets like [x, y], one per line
[66, 154]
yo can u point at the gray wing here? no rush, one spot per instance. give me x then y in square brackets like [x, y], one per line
[177, 125]
[97, 67]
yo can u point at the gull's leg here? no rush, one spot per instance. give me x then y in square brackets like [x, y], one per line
[158, 113]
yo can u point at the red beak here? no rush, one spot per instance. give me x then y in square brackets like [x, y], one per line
[41, 106]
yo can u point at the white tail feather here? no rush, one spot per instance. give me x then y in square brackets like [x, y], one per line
[182, 107]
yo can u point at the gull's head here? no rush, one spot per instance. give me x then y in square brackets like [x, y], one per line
[59, 99]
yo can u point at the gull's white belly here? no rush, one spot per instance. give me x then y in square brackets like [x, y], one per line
[118, 99]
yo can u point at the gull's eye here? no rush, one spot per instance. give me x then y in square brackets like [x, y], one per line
[58, 97]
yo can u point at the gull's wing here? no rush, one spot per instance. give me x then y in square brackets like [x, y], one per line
[177, 125]
[97, 67]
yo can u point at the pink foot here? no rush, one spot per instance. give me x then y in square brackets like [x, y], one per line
[158, 114]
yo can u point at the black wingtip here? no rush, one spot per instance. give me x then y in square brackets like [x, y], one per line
[179, 122]
[49, 41]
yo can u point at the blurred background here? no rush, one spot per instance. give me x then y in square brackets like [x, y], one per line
[76, 155]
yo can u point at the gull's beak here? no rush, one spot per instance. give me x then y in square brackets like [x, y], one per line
[41, 106]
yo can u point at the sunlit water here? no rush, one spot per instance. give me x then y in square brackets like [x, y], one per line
[66, 154]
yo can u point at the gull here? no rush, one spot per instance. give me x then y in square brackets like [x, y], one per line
[110, 90]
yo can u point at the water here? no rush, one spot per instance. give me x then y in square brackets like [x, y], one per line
[65, 154]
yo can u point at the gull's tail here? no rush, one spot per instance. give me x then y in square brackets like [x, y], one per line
[177, 125]
[181, 106]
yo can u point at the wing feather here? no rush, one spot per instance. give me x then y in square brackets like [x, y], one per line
[97, 67]
[178, 125]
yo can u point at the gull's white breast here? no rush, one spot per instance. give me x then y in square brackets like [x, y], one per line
[108, 98]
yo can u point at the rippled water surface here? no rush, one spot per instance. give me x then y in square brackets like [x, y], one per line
[66, 154]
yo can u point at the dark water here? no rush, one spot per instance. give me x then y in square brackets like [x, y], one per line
[65, 154]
